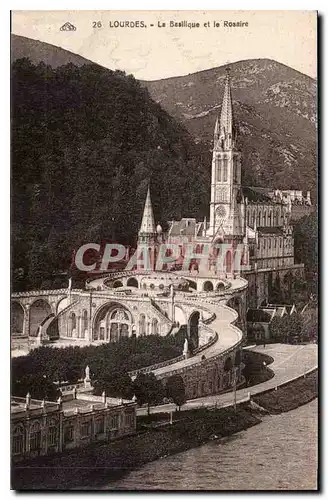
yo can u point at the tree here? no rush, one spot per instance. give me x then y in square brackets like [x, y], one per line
[287, 327]
[116, 384]
[39, 386]
[175, 389]
[148, 389]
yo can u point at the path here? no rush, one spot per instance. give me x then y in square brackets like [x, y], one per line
[290, 361]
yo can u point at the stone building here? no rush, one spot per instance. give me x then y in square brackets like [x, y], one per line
[75, 420]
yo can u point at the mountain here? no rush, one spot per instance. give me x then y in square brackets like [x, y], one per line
[275, 111]
[274, 105]
[38, 52]
[85, 142]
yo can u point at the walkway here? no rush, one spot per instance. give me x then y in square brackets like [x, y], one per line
[290, 361]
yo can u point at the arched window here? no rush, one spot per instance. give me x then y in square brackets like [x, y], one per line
[132, 282]
[71, 325]
[154, 326]
[208, 286]
[52, 433]
[248, 217]
[219, 170]
[270, 218]
[142, 324]
[84, 324]
[35, 436]
[225, 169]
[228, 260]
[18, 440]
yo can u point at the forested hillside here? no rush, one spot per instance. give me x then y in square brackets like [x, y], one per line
[85, 143]
[275, 111]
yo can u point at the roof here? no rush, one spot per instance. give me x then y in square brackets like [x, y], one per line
[287, 307]
[148, 222]
[256, 194]
[183, 227]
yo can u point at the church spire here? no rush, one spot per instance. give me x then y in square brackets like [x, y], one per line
[147, 231]
[224, 133]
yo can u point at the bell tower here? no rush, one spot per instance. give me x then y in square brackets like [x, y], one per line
[226, 210]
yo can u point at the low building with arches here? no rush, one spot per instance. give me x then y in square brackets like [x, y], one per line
[76, 420]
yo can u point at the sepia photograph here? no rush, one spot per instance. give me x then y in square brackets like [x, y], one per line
[164, 250]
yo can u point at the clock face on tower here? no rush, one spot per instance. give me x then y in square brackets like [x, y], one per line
[221, 211]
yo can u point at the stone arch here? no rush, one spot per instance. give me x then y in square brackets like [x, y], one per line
[236, 304]
[132, 282]
[179, 315]
[154, 326]
[220, 286]
[228, 364]
[208, 286]
[112, 321]
[40, 309]
[192, 284]
[117, 284]
[259, 218]
[17, 318]
[142, 324]
[193, 325]
[61, 304]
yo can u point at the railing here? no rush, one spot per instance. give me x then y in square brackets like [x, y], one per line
[32, 293]
[199, 363]
[159, 311]
[156, 366]
[209, 343]
[171, 361]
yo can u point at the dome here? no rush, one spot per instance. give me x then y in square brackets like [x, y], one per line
[159, 229]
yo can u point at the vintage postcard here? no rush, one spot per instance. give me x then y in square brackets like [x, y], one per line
[164, 299]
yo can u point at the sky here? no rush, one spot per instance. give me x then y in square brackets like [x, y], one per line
[154, 52]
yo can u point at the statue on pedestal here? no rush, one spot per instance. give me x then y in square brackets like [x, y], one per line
[87, 380]
[186, 352]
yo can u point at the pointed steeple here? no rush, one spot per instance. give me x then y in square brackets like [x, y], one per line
[224, 132]
[147, 229]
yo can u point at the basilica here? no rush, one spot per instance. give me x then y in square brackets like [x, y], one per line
[259, 220]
